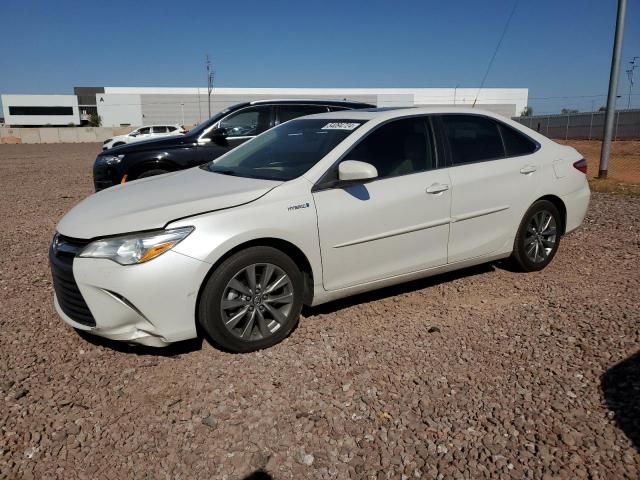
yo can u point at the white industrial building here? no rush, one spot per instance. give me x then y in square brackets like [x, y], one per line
[40, 110]
[136, 106]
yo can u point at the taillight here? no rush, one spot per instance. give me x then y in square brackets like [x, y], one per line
[581, 165]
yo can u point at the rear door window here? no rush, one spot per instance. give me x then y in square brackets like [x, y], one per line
[472, 138]
[157, 129]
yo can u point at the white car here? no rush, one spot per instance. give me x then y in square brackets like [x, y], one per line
[318, 208]
[149, 132]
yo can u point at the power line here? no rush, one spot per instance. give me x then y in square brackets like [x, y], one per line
[495, 52]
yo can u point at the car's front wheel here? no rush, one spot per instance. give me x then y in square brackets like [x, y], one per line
[538, 237]
[252, 300]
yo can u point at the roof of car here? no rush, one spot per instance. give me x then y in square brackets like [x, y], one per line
[311, 101]
[394, 112]
[160, 125]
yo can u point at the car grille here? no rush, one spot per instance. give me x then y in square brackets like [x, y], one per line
[61, 254]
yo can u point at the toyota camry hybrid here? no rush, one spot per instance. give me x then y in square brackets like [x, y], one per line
[317, 208]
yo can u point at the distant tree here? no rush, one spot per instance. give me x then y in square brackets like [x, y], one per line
[602, 109]
[569, 111]
[95, 120]
[526, 111]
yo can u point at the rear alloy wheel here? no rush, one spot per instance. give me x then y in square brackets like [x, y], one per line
[538, 237]
[252, 300]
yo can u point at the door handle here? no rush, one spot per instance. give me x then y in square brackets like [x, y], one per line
[527, 169]
[437, 188]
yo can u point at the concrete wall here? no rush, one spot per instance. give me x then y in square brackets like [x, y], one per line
[59, 135]
[165, 105]
[120, 109]
[40, 101]
[505, 110]
[164, 108]
[488, 98]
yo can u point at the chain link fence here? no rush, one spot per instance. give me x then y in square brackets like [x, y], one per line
[584, 132]
[584, 126]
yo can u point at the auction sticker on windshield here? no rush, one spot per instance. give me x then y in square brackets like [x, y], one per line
[340, 126]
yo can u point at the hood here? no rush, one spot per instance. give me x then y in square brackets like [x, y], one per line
[151, 203]
[152, 144]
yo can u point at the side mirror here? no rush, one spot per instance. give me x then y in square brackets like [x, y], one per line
[219, 136]
[134, 134]
[354, 170]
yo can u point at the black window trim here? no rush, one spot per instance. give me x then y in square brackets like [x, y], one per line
[321, 184]
[276, 110]
[444, 139]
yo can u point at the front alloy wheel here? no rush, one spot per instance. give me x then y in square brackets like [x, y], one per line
[252, 300]
[257, 301]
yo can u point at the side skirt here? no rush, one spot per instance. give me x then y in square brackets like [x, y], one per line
[323, 296]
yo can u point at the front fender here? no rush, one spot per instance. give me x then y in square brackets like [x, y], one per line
[269, 217]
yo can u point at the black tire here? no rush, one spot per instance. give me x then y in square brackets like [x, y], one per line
[525, 238]
[211, 315]
[152, 173]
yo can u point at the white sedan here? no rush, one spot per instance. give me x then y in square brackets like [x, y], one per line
[318, 208]
[143, 133]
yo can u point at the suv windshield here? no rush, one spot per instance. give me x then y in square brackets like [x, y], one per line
[285, 152]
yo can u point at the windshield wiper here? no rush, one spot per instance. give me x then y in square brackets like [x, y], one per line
[224, 171]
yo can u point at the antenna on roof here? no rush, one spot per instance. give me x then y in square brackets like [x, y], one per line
[495, 52]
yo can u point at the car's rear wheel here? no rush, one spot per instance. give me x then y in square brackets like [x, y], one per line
[152, 173]
[538, 237]
[252, 300]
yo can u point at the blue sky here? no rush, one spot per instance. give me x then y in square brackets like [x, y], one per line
[555, 48]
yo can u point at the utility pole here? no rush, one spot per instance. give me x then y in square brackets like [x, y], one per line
[182, 106]
[209, 83]
[613, 89]
[629, 72]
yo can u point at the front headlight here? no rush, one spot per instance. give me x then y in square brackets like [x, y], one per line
[109, 159]
[106, 141]
[136, 248]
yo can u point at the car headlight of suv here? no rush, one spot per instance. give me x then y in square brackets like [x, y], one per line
[110, 159]
[136, 248]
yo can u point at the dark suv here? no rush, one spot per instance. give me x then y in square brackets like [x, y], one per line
[212, 138]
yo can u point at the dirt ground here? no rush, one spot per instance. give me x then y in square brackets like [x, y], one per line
[484, 373]
[624, 163]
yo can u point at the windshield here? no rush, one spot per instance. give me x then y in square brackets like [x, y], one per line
[285, 152]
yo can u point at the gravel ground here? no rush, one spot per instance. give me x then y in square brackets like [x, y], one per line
[484, 373]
